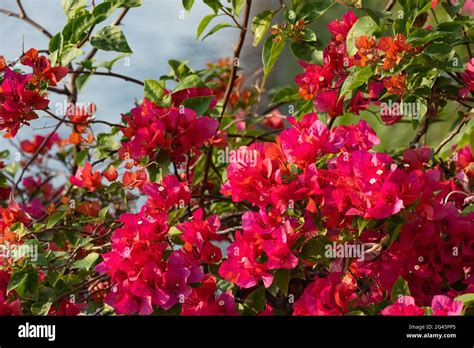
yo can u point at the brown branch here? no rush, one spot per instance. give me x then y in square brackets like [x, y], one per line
[455, 132]
[38, 152]
[230, 87]
[83, 123]
[111, 74]
[390, 5]
[22, 15]
[424, 124]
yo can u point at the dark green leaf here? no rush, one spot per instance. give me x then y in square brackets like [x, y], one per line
[400, 288]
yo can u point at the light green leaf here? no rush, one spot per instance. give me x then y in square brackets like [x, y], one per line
[154, 91]
[218, 27]
[358, 77]
[86, 263]
[111, 38]
[270, 54]
[204, 23]
[57, 216]
[189, 81]
[261, 24]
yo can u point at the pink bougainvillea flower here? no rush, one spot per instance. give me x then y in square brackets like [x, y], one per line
[204, 301]
[17, 103]
[468, 78]
[405, 305]
[174, 130]
[308, 139]
[167, 194]
[329, 102]
[326, 296]
[198, 234]
[443, 305]
[85, 178]
[242, 267]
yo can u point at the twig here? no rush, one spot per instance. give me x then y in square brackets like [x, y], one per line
[37, 153]
[109, 73]
[22, 15]
[455, 132]
[83, 123]
[230, 87]
[390, 5]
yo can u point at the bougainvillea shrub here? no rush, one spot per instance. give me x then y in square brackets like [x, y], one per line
[214, 194]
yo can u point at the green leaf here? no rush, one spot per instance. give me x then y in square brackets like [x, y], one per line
[111, 38]
[86, 263]
[237, 6]
[314, 250]
[358, 77]
[438, 48]
[400, 288]
[312, 11]
[154, 91]
[270, 54]
[71, 6]
[56, 42]
[307, 52]
[216, 28]
[282, 279]
[55, 48]
[109, 64]
[173, 232]
[189, 81]
[466, 299]
[24, 282]
[214, 4]
[364, 26]
[81, 81]
[127, 3]
[69, 54]
[203, 24]
[198, 104]
[57, 216]
[180, 69]
[256, 299]
[188, 4]
[261, 24]
[285, 95]
[41, 308]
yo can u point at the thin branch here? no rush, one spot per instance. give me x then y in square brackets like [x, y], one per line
[455, 132]
[83, 123]
[28, 20]
[390, 5]
[111, 74]
[37, 153]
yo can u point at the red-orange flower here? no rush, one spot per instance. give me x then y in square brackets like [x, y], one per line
[395, 84]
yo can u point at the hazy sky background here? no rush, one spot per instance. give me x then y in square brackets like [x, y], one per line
[156, 32]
